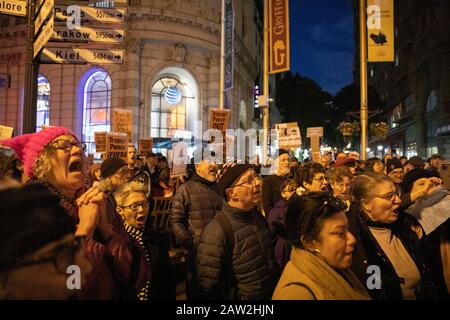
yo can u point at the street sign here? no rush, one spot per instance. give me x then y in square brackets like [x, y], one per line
[14, 7]
[80, 56]
[46, 9]
[87, 34]
[44, 36]
[92, 13]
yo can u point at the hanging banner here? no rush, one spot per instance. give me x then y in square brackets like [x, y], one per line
[279, 36]
[116, 145]
[380, 30]
[100, 141]
[122, 121]
[228, 51]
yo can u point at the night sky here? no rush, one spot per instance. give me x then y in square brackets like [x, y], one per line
[322, 41]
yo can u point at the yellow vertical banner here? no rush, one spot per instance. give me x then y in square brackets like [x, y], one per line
[279, 36]
[380, 30]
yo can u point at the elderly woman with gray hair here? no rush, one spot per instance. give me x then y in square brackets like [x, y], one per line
[388, 257]
[55, 158]
[133, 206]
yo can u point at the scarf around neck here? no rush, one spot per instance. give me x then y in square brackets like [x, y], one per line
[342, 285]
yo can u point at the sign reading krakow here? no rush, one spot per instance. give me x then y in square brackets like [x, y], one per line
[86, 34]
[75, 55]
[14, 7]
[92, 13]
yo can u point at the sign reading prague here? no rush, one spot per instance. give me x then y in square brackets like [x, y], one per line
[279, 36]
[380, 30]
[14, 7]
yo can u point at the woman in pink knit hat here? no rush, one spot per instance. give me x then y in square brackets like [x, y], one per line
[54, 157]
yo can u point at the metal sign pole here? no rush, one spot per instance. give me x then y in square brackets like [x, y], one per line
[31, 74]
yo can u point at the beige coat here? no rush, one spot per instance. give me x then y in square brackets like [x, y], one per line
[308, 277]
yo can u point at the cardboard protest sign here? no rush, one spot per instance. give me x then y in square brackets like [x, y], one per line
[145, 146]
[218, 120]
[116, 145]
[100, 141]
[160, 212]
[288, 135]
[179, 159]
[6, 132]
[122, 121]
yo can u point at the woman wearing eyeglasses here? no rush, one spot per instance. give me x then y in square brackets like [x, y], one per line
[133, 207]
[311, 178]
[319, 268]
[55, 158]
[387, 258]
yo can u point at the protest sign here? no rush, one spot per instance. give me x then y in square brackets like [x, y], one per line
[145, 146]
[122, 121]
[288, 135]
[160, 212]
[116, 145]
[100, 141]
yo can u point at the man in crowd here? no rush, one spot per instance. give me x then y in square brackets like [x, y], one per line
[235, 258]
[394, 170]
[435, 164]
[131, 160]
[194, 205]
[271, 187]
[414, 162]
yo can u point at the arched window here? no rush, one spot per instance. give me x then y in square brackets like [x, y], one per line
[169, 100]
[96, 107]
[43, 103]
[431, 101]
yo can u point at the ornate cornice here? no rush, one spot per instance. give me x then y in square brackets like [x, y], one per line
[172, 16]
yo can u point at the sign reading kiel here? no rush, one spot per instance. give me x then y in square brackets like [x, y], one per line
[14, 7]
[92, 13]
[86, 34]
[80, 56]
[380, 30]
[279, 36]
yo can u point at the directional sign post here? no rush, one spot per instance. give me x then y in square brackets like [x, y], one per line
[14, 7]
[44, 36]
[92, 14]
[46, 9]
[87, 34]
[79, 56]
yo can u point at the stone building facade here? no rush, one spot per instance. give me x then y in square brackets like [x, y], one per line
[168, 44]
[415, 89]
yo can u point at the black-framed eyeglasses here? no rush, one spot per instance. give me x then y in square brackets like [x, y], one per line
[61, 257]
[66, 145]
[251, 181]
[321, 179]
[137, 205]
[390, 196]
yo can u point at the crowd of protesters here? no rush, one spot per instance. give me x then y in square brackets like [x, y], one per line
[333, 229]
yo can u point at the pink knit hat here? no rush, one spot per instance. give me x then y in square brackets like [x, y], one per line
[28, 147]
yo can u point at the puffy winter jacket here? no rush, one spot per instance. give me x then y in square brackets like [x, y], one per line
[253, 272]
[194, 205]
